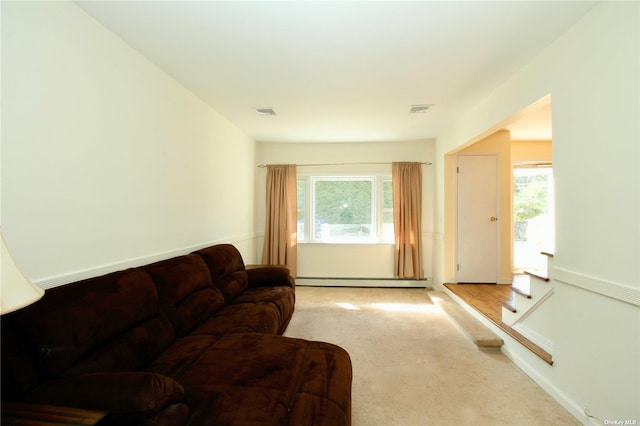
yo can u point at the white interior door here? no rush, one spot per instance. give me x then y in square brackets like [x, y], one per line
[477, 219]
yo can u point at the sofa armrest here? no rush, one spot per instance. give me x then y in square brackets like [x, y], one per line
[269, 275]
[129, 397]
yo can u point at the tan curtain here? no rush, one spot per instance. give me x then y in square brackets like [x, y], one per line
[407, 219]
[280, 235]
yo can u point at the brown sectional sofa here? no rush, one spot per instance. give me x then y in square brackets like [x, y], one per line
[192, 340]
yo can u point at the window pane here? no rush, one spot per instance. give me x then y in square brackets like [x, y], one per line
[300, 188]
[343, 210]
[300, 217]
[533, 216]
[387, 226]
[387, 211]
[387, 232]
[387, 195]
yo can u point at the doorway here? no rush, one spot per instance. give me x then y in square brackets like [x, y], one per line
[533, 216]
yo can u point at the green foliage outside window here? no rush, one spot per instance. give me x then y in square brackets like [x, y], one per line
[300, 194]
[387, 203]
[343, 201]
[387, 198]
[345, 209]
[530, 196]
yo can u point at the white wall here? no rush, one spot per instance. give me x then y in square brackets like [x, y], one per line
[349, 260]
[107, 161]
[592, 74]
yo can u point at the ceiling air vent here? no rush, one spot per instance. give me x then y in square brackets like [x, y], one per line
[265, 111]
[420, 109]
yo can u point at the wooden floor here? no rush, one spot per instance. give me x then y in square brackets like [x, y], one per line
[485, 298]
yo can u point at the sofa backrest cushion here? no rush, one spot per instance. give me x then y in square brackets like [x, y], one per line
[185, 290]
[227, 269]
[233, 284]
[109, 323]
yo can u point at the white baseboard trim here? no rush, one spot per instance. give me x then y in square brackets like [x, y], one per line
[362, 282]
[82, 274]
[527, 366]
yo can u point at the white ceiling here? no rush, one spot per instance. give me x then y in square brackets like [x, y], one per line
[338, 71]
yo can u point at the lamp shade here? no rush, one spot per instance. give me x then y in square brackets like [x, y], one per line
[16, 291]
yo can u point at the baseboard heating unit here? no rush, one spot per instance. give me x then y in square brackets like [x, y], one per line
[362, 282]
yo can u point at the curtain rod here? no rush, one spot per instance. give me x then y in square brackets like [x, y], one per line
[341, 164]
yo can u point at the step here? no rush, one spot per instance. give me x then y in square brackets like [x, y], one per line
[509, 317]
[501, 324]
[538, 275]
[509, 305]
[478, 333]
[521, 284]
[521, 292]
[540, 352]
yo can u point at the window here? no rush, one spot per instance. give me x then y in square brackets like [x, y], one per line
[345, 209]
[300, 184]
[387, 211]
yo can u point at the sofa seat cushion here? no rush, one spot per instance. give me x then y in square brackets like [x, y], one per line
[181, 355]
[281, 296]
[185, 291]
[242, 318]
[261, 379]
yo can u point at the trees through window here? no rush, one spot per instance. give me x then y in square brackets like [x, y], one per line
[345, 209]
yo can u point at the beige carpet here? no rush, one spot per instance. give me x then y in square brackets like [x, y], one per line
[412, 366]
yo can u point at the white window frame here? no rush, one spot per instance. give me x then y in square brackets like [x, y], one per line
[383, 210]
[378, 209]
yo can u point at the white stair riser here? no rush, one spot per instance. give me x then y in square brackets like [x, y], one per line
[531, 334]
[524, 305]
[509, 317]
[538, 289]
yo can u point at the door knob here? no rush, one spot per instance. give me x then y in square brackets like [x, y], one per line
[493, 218]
